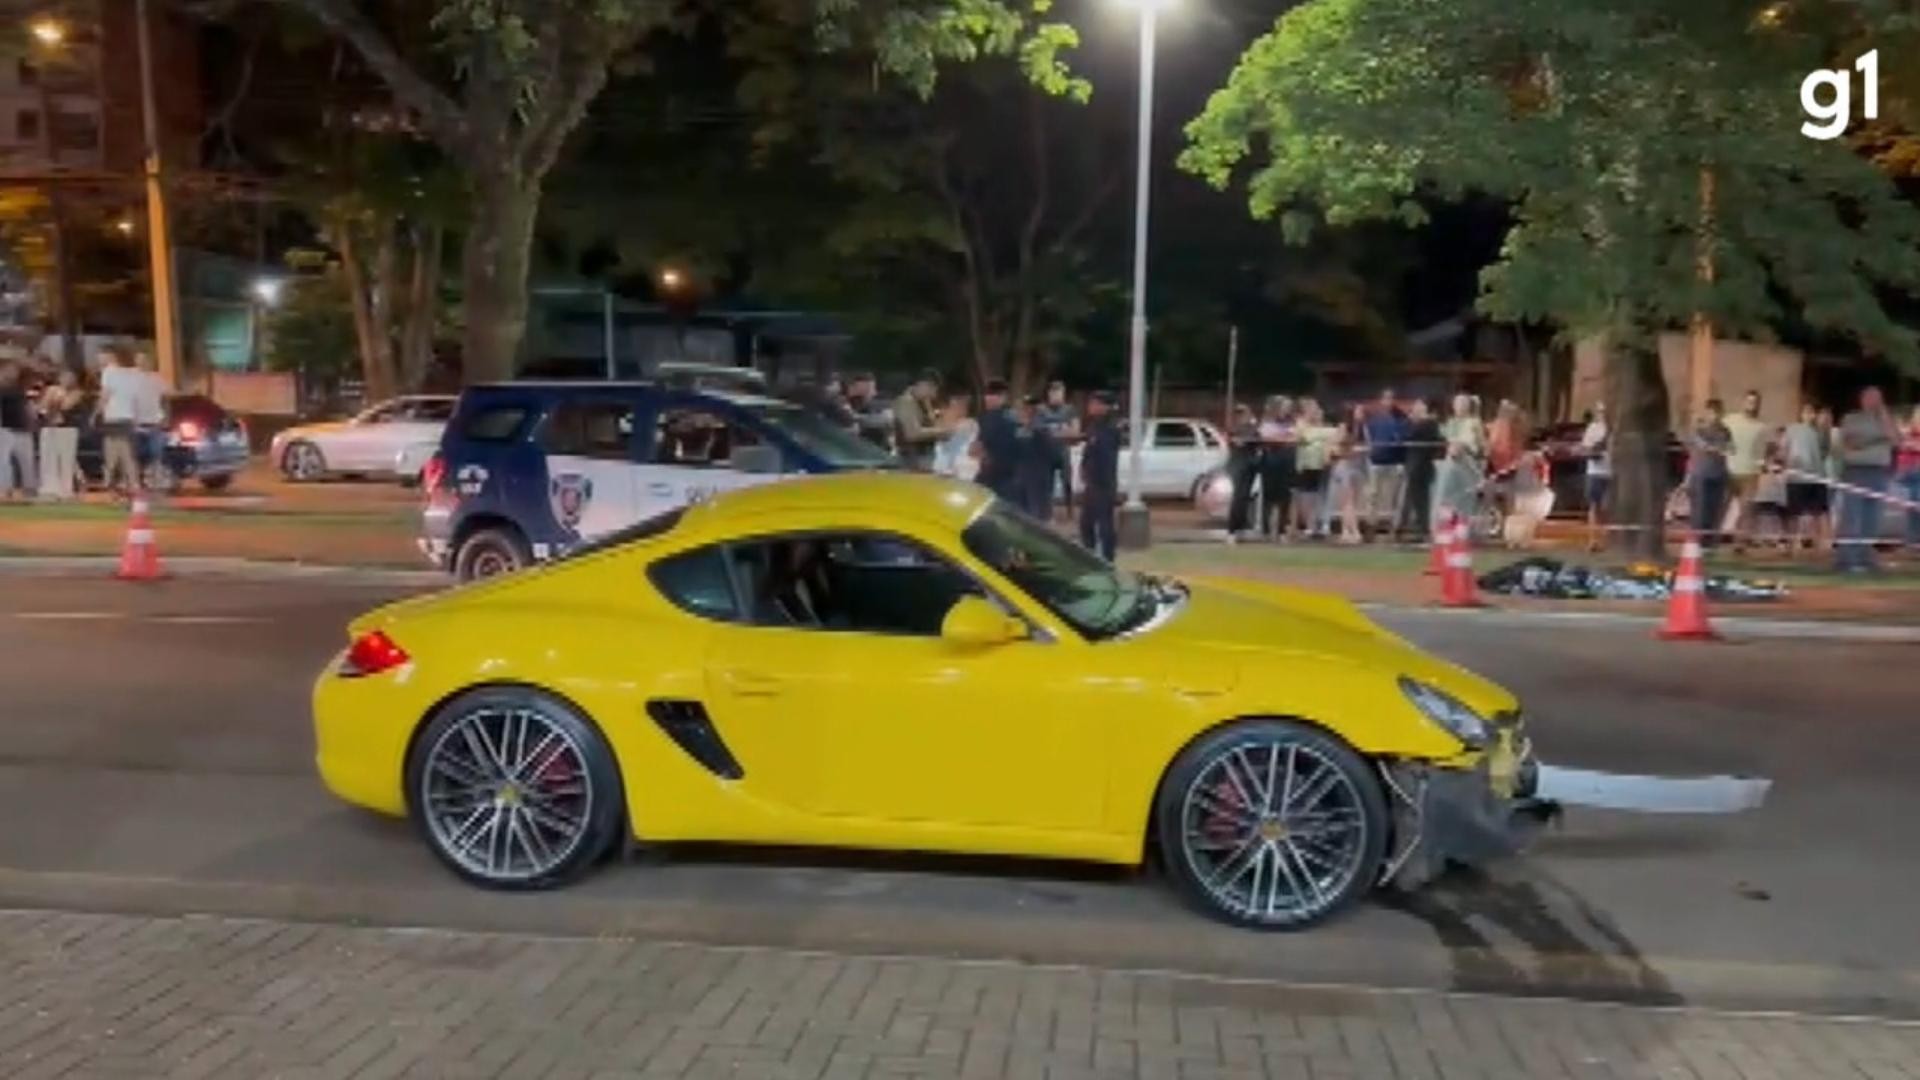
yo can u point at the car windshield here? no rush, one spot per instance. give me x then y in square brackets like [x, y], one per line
[1091, 595]
[820, 437]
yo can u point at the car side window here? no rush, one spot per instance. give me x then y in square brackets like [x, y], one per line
[852, 582]
[431, 412]
[1171, 436]
[385, 414]
[602, 430]
[697, 582]
[700, 438]
[495, 423]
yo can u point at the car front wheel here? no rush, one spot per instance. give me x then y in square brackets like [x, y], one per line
[302, 462]
[514, 789]
[1273, 825]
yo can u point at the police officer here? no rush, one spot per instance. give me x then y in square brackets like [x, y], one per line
[997, 445]
[1100, 476]
[1034, 460]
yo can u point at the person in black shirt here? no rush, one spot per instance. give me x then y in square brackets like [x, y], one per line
[1100, 477]
[872, 418]
[1424, 447]
[1243, 467]
[16, 432]
[996, 446]
[1034, 459]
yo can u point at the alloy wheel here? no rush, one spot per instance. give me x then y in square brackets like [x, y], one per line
[506, 794]
[1274, 831]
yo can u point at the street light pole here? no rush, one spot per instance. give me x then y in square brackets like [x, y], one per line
[1134, 530]
[166, 340]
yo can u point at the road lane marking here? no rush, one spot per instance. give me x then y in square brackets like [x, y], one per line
[120, 616]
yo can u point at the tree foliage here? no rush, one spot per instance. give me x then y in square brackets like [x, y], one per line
[1597, 121]
[508, 81]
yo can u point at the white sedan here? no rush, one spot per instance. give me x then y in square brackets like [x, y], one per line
[384, 440]
[1180, 453]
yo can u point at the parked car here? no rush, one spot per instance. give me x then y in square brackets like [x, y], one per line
[204, 443]
[1567, 465]
[528, 471]
[1180, 454]
[374, 443]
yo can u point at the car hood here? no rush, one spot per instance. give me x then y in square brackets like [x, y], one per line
[1269, 624]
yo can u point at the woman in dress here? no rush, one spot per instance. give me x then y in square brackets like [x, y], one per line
[1457, 488]
[1348, 478]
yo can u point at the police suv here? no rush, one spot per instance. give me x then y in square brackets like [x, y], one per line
[528, 471]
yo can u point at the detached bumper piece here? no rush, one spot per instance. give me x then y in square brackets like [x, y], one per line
[1444, 816]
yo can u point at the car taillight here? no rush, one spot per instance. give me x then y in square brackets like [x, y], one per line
[188, 431]
[432, 473]
[370, 654]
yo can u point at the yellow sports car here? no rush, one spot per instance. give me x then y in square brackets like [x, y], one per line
[892, 661]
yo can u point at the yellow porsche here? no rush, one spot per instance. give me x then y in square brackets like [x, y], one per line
[902, 662]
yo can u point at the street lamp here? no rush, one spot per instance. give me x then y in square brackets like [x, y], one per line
[48, 31]
[1134, 530]
[671, 279]
[268, 290]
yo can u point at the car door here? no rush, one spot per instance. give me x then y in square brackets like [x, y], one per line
[903, 726]
[420, 423]
[1174, 458]
[356, 446]
[590, 444]
[697, 451]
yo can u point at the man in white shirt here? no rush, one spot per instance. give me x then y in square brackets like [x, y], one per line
[1746, 457]
[1596, 446]
[121, 387]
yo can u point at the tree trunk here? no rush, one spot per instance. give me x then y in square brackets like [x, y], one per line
[423, 307]
[376, 357]
[1636, 394]
[498, 254]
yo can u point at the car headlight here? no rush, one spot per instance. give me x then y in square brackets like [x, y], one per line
[1447, 712]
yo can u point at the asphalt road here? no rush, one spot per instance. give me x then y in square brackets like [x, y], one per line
[154, 757]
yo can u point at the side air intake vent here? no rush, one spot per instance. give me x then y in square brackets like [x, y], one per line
[687, 724]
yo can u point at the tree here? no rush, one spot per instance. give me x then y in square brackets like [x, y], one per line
[511, 79]
[311, 332]
[1596, 121]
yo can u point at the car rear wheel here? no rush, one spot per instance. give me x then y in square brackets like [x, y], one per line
[302, 462]
[217, 483]
[490, 553]
[1271, 824]
[514, 789]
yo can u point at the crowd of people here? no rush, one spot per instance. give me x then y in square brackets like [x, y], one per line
[44, 406]
[1809, 485]
[1019, 447]
[1384, 470]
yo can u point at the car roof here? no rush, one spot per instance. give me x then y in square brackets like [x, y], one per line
[611, 386]
[940, 500]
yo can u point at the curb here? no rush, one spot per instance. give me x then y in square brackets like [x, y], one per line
[1737, 626]
[220, 567]
[236, 569]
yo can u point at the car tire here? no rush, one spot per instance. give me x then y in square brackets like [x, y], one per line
[491, 552]
[514, 789]
[1305, 844]
[302, 462]
[217, 483]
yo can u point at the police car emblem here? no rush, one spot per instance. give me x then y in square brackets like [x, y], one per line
[570, 493]
[471, 479]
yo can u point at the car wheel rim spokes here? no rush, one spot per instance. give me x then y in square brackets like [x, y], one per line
[1274, 831]
[506, 793]
[490, 564]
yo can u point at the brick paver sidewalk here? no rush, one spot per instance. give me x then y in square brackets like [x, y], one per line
[119, 996]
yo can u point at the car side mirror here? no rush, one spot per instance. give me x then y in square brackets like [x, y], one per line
[761, 460]
[975, 623]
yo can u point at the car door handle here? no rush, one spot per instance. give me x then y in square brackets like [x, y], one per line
[749, 682]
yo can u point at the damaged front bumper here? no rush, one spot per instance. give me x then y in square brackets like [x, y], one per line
[1462, 815]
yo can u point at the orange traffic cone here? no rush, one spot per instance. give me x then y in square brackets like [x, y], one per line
[139, 557]
[1457, 587]
[1687, 605]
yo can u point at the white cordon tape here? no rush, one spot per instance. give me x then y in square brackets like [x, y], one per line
[1852, 489]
